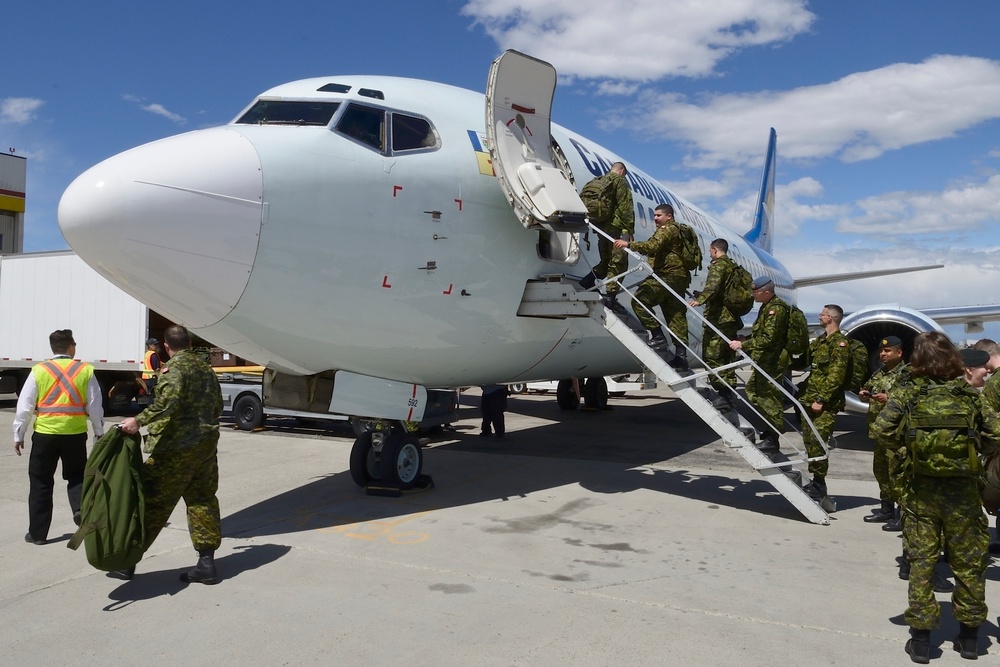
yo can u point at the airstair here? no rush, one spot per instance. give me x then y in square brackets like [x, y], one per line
[784, 471]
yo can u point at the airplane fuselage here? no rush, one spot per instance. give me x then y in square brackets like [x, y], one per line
[304, 249]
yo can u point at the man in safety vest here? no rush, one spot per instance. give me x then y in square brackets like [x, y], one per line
[61, 394]
[150, 365]
[151, 362]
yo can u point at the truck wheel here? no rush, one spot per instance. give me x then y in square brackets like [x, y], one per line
[248, 412]
[518, 387]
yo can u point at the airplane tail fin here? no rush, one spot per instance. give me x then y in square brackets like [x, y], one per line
[763, 224]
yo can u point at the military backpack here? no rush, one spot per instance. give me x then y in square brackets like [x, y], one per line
[112, 525]
[857, 366]
[596, 196]
[797, 342]
[939, 430]
[690, 250]
[738, 295]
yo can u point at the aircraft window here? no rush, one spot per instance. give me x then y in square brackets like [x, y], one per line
[284, 112]
[411, 133]
[374, 94]
[334, 88]
[365, 124]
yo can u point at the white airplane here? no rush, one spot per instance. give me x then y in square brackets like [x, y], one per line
[368, 237]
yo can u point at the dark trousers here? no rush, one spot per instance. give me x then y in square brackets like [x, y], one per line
[493, 405]
[47, 450]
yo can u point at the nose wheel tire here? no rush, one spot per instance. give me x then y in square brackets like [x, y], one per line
[365, 460]
[401, 461]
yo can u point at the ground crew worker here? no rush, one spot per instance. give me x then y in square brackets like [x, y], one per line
[664, 249]
[615, 216]
[151, 362]
[766, 347]
[182, 445]
[823, 394]
[715, 350]
[61, 394]
[875, 393]
[940, 497]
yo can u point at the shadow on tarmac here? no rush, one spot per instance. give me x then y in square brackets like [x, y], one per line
[604, 452]
[149, 585]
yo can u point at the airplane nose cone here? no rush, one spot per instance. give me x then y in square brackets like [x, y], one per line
[174, 223]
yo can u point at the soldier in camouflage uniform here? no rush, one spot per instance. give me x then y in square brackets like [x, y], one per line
[182, 445]
[941, 500]
[716, 351]
[991, 397]
[875, 393]
[664, 249]
[766, 346]
[823, 394]
[620, 224]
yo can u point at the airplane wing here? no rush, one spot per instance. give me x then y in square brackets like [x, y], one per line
[971, 316]
[858, 275]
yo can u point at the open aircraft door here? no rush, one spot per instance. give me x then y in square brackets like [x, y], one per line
[518, 106]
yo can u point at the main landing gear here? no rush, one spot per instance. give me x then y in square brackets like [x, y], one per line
[386, 460]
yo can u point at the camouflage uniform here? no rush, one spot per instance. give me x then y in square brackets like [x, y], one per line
[884, 381]
[664, 252]
[937, 507]
[182, 445]
[716, 351]
[766, 346]
[830, 355]
[614, 261]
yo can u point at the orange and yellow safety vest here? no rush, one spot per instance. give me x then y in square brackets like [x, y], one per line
[62, 396]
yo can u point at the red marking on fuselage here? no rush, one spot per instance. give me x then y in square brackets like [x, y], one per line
[448, 291]
[385, 282]
[395, 189]
[459, 202]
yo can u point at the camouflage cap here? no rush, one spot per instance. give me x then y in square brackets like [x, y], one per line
[890, 341]
[972, 358]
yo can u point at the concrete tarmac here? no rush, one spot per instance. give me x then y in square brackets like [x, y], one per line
[628, 537]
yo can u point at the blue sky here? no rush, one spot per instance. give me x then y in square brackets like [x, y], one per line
[887, 113]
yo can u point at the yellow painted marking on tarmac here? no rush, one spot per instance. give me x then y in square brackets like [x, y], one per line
[375, 530]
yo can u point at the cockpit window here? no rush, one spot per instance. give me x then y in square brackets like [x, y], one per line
[411, 133]
[365, 124]
[285, 112]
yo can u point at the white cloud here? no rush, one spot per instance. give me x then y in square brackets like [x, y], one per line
[858, 117]
[19, 110]
[645, 41]
[157, 109]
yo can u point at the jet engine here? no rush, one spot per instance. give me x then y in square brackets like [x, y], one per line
[873, 323]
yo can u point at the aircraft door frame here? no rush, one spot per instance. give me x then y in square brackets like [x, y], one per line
[519, 97]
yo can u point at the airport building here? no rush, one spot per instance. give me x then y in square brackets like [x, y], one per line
[13, 177]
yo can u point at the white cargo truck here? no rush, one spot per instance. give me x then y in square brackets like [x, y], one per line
[43, 292]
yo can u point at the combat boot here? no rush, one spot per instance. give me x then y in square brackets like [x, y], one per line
[816, 488]
[894, 525]
[967, 642]
[769, 443]
[883, 514]
[725, 399]
[918, 646]
[610, 302]
[204, 571]
[657, 340]
[588, 281]
[680, 360]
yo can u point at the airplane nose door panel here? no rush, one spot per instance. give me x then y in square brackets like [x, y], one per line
[175, 222]
[518, 108]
